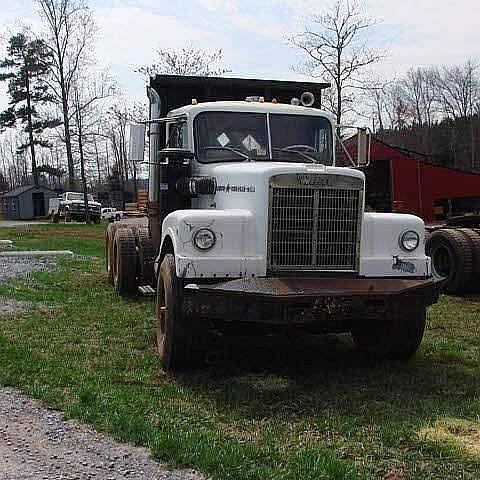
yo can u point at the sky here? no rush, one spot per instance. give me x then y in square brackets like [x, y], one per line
[254, 34]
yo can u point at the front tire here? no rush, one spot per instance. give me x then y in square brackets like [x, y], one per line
[178, 340]
[396, 337]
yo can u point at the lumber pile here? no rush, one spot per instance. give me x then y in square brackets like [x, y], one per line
[134, 210]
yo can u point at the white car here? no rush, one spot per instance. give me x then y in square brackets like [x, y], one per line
[111, 213]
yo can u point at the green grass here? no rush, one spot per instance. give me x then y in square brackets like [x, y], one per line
[264, 408]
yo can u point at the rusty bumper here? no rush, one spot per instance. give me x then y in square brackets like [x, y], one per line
[305, 300]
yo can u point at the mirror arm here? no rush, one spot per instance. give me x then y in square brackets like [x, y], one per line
[347, 153]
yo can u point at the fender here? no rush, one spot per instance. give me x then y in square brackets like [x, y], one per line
[234, 253]
[381, 253]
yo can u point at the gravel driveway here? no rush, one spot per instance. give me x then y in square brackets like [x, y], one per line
[35, 443]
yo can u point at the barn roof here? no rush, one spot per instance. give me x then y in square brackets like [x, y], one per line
[19, 190]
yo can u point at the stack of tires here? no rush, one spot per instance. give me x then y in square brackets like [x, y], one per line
[455, 255]
[129, 256]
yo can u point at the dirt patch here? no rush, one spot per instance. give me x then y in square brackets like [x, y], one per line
[36, 443]
[463, 434]
[97, 235]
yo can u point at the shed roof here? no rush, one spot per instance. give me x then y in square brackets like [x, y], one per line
[19, 190]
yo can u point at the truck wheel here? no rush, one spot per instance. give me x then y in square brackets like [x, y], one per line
[397, 337]
[109, 258]
[125, 262]
[177, 340]
[55, 217]
[68, 217]
[117, 217]
[452, 258]
[146, 256]
[473, 238]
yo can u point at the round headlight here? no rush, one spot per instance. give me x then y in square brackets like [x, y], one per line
[204, 239]
[409, 240]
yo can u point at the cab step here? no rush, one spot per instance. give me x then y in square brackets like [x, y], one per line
[146, 290]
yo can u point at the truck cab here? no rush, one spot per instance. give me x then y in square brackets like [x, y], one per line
[254, 227]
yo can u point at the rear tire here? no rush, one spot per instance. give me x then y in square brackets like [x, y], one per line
[473, 238]
[397, 337]
[146, 256]
[109, 257]
[125, 264]
[178, 340]
[452, 259]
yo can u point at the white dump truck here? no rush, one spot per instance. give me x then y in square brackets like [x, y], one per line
[71, 206]
[253, 228]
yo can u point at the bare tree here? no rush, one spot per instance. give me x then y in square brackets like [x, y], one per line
[14, 160]
[335, 48]
[419, 87]
[71, 30]
[120, 116]
[87, 94]
[459, 86]
[186, 61]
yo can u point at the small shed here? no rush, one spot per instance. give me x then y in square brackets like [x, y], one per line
[2, 203]
[29, 201]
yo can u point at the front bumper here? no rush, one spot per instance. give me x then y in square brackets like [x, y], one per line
[283, 301]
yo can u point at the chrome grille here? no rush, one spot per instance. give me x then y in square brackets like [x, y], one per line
[314, 226]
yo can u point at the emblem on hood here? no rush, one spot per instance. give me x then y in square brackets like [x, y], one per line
[315, 180]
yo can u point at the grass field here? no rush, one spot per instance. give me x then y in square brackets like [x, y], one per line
[266, 409]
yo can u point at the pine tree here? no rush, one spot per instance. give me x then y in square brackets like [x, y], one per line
[25, 67]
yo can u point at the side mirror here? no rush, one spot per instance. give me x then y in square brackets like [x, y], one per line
[136, 145]
[363, 147]
[175, 154]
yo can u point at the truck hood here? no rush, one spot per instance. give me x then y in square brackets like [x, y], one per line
[255, 176]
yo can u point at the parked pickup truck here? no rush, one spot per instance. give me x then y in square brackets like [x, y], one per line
[111, 213]
[71, 206]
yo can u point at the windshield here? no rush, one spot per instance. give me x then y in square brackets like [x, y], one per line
[231, 136]
[300, 137]
[240, 136]
[78, 196]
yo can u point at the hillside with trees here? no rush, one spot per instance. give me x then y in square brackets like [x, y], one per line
[434, 111]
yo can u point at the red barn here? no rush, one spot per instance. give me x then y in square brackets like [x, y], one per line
[399, 180]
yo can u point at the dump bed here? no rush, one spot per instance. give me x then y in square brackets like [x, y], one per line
[176, 91]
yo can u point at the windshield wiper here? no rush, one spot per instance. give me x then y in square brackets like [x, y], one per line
[231, 149]
[298, 152]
